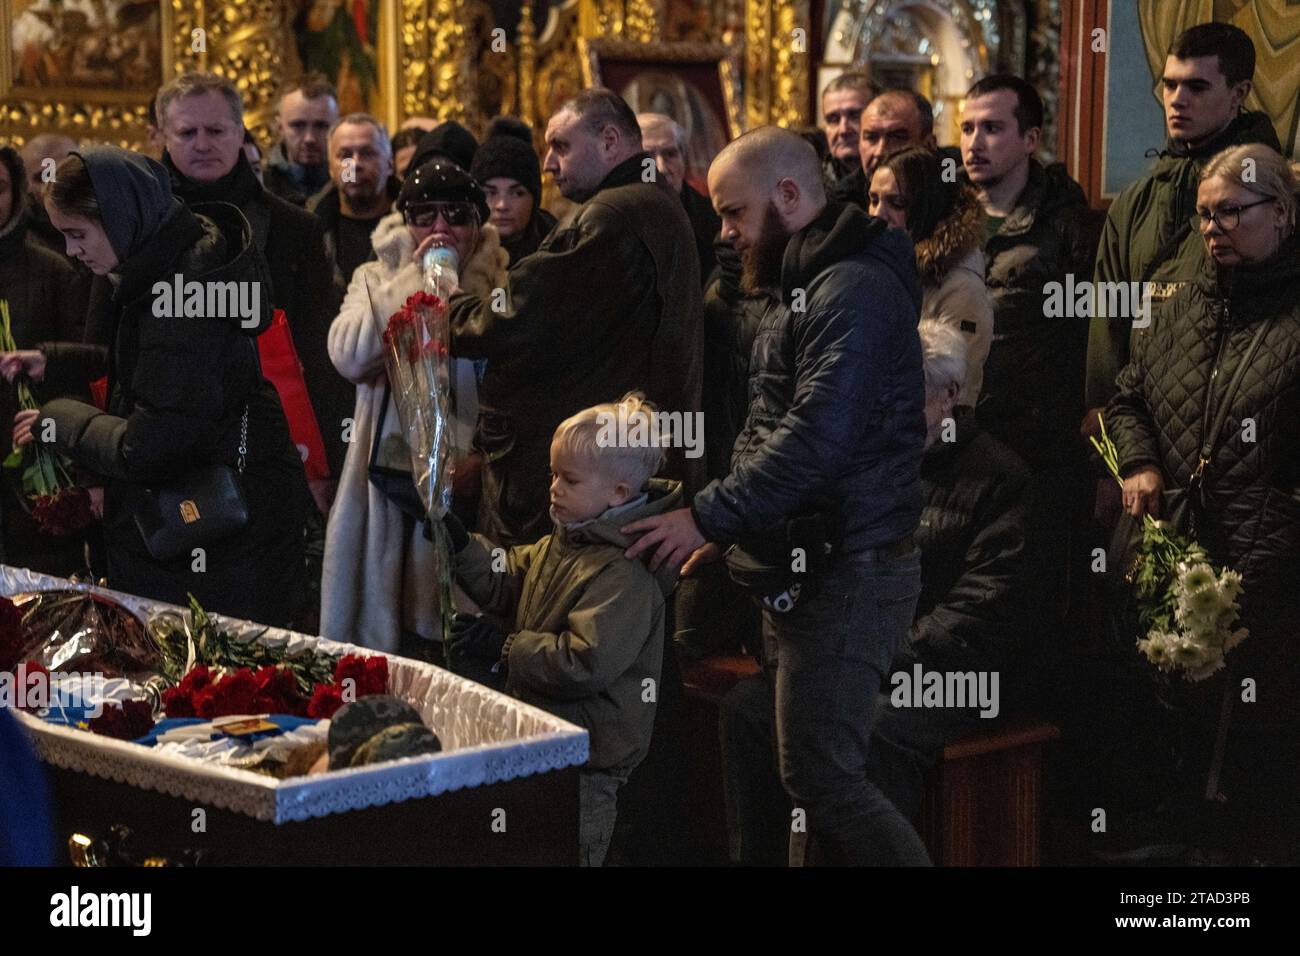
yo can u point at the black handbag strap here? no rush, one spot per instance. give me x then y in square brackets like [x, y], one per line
[243, 439]
[243, 422]
[1211, 436]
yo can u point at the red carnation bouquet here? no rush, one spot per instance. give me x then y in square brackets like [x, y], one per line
[209, 693]
[56, 503]
[418, 363]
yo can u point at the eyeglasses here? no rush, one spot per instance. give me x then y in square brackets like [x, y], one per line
[426, 214]
[1228, 218]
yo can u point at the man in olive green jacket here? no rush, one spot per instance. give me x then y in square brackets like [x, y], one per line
[1148, 236]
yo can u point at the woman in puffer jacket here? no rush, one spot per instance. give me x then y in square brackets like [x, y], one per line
[377, 583]
[909, 191]
[1241, 726]
[185, 390]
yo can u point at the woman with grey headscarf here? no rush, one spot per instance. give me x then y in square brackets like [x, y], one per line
[182, 369]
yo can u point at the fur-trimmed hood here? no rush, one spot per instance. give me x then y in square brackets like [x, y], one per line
[485, 271]
[952, 240]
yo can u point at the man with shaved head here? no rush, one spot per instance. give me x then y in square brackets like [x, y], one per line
[824, 493]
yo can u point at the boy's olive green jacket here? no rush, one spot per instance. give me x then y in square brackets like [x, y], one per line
[586, 625]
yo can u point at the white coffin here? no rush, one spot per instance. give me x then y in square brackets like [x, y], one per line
[487, 737]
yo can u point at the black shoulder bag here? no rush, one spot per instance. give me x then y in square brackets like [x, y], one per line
[780, 570]
[202, 506]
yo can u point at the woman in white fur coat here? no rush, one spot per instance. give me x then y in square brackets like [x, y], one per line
[946, 222]
[377, 586]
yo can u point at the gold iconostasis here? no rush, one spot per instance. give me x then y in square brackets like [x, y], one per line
[88, 68]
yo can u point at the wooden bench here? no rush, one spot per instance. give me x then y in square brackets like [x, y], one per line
[982, 804]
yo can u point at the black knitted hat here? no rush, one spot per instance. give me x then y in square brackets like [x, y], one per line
[507, 154]
[448, 139]
[510, 126]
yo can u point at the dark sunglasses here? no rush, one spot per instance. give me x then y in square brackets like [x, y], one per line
[427, 213]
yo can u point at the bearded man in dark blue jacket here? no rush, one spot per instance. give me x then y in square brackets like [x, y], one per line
[824, 475]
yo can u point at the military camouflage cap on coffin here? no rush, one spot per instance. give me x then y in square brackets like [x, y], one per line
[375, 728]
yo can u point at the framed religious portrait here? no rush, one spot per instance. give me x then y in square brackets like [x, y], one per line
[84, 51]
[697, 84]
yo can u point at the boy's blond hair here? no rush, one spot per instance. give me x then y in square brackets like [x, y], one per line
[623, 438]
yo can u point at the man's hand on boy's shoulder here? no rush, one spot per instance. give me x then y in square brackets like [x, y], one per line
[675, 532]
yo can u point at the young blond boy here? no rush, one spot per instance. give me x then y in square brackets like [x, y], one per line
[587, 624]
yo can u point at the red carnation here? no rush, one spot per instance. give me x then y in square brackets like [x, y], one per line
[423, 299]
[233, 694]
[402, 334]
[132, 720]
[62, 513]
[399, 322]
[369, 674]
[325, 700]
[376, 677]
[205, 702]
[277, 692]
[178, 701]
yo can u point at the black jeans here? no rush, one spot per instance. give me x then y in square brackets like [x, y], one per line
[831, 655]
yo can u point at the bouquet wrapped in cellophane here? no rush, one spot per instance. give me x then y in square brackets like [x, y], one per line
[418, 363]
[417, 360]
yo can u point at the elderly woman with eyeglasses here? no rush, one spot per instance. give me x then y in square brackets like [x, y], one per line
[376, 585]
[1242, 311]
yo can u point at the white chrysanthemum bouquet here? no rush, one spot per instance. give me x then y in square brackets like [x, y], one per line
[1192, 624]
[1187, 611]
